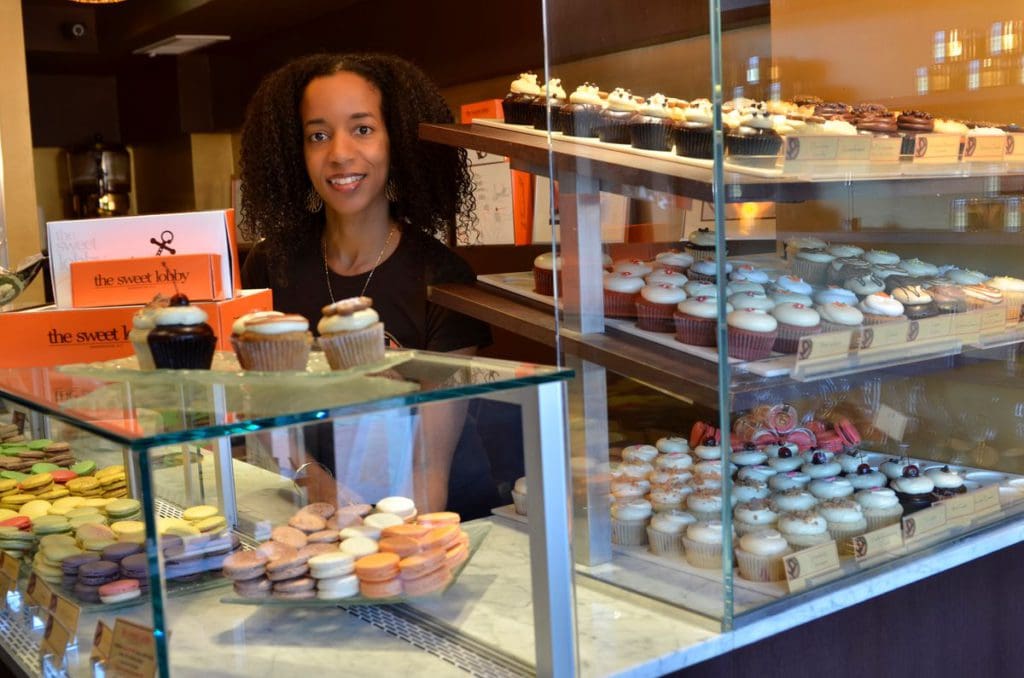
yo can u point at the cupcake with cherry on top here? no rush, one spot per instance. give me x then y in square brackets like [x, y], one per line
[913, 489]
[181, 339]
[655, 306]
[752, 333]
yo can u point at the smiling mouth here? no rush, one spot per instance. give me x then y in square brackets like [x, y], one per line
[349, 180]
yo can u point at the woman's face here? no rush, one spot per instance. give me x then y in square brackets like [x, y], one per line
[345, 142]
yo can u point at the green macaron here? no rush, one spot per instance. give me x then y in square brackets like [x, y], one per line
[39, 443]
[84, 468]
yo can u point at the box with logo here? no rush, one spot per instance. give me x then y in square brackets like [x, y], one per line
[151, 235]
[117, 282]
[51, 336]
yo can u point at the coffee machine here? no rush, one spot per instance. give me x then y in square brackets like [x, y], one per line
[101, 179]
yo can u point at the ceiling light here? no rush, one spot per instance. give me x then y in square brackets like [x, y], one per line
[180, 44]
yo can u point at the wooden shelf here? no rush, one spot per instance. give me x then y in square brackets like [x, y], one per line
[624, 172]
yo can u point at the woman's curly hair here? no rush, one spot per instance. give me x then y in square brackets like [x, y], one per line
[430, 186]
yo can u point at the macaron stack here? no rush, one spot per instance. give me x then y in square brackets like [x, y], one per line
[113, 481]
[17, 537]
[20, 456]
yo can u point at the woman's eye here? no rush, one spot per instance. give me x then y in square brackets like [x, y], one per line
[318, 136]
[363, 130]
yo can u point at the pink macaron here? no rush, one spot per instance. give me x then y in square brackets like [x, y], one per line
[119, 591]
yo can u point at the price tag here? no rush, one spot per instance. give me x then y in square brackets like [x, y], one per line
[959, 509]
[826, 345]
[923, 523]
[55, 640]
[102, 639]
[930, 329]
[132, 651]
[882, 541]
[38, 592]
[1013, 148]
[986, 501]
[809, 564]
[10, 569]
[853, 148]
[890, 422]
[66, 612]
[967, 326]
[993, 319]
[885, 149]
[803, 150]
[984, 148]
[885, 335]
[930, 149]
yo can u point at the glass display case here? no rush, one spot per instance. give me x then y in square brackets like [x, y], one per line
[873, 334]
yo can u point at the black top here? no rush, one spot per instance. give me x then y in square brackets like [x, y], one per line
[398, 289]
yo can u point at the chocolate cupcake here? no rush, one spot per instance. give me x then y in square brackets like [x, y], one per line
[614, 128]
[755, 136]
[913, 490]
[910, 124]
[693, 134]
[582, 115]
[517, 103]
[552, 95]
[180, 338]
[650, 126]
[917, 303]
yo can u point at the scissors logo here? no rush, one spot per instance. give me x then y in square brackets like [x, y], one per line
[164, 243]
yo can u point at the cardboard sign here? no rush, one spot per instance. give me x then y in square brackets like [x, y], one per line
[855, 148]
[984, 148]
[132, 651]
[66, 612]
[923, 523]
[885, 335]
[993, 320]
[930, 149]
[117, 282]
[38, 592]
[826, 345]
[10, 569]
[967, 326]
[803, 150]
[810, 563]
[885, 149]
[986, 501]
[959, 509]
[880, 542]
[930, 329]
[1013, 148]
[890, 422]
[102, 639]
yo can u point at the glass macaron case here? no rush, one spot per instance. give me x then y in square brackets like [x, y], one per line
[795, 298]
[177, 499]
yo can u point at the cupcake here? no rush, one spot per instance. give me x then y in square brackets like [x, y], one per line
[948, 483]
[793, 500]
[794, 245]
[917, 268]
[582, 115]
[752, 334]
[850, 460]
[913, 490]
[751, 299]
[838, 317]
[701, 245]
[351, 333]
[751, 274]
[759, 472]
[866, 477]
[835, 293]
[180, 338]
[650, 126]
[803, 529]
[709, 449]
[705, 504]
[142, 322]
[706, 270]
[640, 453]
[981, 297]
[551, 96]
[692, 135]
[754, 515]
[545, 267]
[517, 103]
[1013, 293]
[840, 250]
[700, 288]
[238, 329]
[961, 276]
[635, 267]
[666, 276]
[893, 467]
[821, 466]
[879, 308]
[788, 480]
[702, 543]
[863, 285]
[749, 489]
[666, 531]
[784, 297]
[754, 136]
[273, 343]
[614, 126]
[759, 555]
[845, 519]
[948, 298]
[672, 444]
[917, 303]
[741, 286]
[812, 265]
[794, 284]
[832, 487]
[668, 498]
[881, 258]
[748, 455]
[880, 507]
[655, 305]
[843, 268]
[795, 321]
[627, 490]
[674, 260]
[519, 496]
[621, 291]
[629, 522]
[696, 320]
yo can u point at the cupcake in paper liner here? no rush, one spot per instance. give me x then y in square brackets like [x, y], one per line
[629, 522]
[879, 308]
[702, 544]
[655, 305]
[666, 530]
[759, 555]
[696, 320]
[519, 496]
[1013, 293]
[545, 268]
[614, 127]
[812, 265]
[795, 320]
[181, 339]
[881, 507]
[621, 290]
[845, 519]
[351, 333]
[274, 343]
[516, 106]
[803, 529]
[142, 322]
[752, 333]
[238, 328]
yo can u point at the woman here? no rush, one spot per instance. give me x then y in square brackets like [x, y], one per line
[348, 202]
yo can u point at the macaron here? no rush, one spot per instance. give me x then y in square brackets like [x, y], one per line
[200, 512]
[39, 444]
[439, 518]
[36, 481]
[51, 525]
[337, 587]
[16, 476]
[120, 509]
[307, 522]
[400, 506]
[456, 556]
[45, 467]
[84, 468]
[421, 563]
[129, 530]
[392, 588]
[117, 552]
[320, 508]
[403, 547]
[119, 591]
[253, 588]
[211, 524]
[57, 540]
[430, 582]
[358, 547]
[383, 520]
[377, 567]
[245, 565]
[35, 508]
[135, 566]
[61, 476]
[439, 537]
[404, 530]
[98, 572]
[289, 536]
[324, 537]
[331, 565]
[55, 492]
[365, 531]
[71, 564]
[310, 550]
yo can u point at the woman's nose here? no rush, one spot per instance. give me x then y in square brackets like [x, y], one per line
[341, 149]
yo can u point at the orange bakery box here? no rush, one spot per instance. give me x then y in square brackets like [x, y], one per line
[119, 282]
[50, 336]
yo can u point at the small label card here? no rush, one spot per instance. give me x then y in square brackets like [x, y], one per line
[132, 651]
[885, 540]
[38, 592]
[853, 148]
[102, 639]
[967, 326]
[923, 523]
[10, 568]
[809, 564]
[1013, 148]
[930, 329]
[890, 422]
[885, 335]
[986, 501]
[993, 320]
[803, 150]
[959, 509]
[885, 149]
[66, 612]
[984, 148]
[826, 345]
[930, 149]
[55, 641]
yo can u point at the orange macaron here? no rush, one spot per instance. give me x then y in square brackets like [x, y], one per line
[421, 563]
[381, 589]
[377, 567]
[402, 546]
[414, 531]
[456, 556]
[439, 518]
[430, 582]
[440, 537]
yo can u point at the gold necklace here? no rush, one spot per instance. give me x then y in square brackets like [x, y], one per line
[327, 270]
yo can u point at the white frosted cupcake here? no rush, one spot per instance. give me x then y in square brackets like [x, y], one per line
[666, 530]
[702, 544]
[795, 322]
[629, 522]
[351, 333]
[545, 267]
[845, 519]
[143, 321]
[749, 490]
[750, 516]
[621, 290]
[640, 453]
[838, 317]
[674, 260]
[667, 498]
[670, 444]
[834, 487]
[519, 496]
[803, 529]
[791, 501]
[674, 462]
[812, 265]
[759, 555]
[705, 504]
[880, 506]
[780, 482]
[273, 343]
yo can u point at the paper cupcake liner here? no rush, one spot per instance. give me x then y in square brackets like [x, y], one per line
[842, 533]
[349, 349]
[142, 351]
[544, 281]
[788, 339]
[695, 331]
[764, 145]
[620, 304]
[613, 131]
[662, 544]
[699, 253]
[629, 532]
[748, 345]
[760, 568]
[699, 554]
[517, 112]
[700, 277]
[579, 123]
[273, 355]
[187, 352]
[519, 500]
[802, 541]
[655, 317]
[879, 518]
[693, 142]
[814, 272]
[651, 136]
